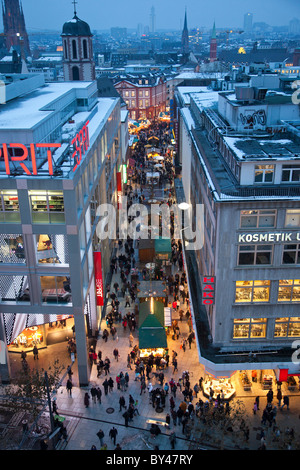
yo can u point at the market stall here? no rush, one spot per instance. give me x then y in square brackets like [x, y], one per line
[152, 333]
[153, 289]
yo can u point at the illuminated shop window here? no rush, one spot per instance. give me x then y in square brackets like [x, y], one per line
[292, 218]
[9, 207]
[55, 289]
[252, 291]
[255, 254]
[52, 249]
[250, 328]
[287, 327]
[289, 290]
[258, 218]
[47, 207]
[291, 254]
[264, 173]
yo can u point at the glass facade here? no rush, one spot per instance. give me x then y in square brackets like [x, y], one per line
[252, 291]
[47, 207]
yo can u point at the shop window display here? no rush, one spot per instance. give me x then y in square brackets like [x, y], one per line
[287, 327]
[55, 289]
[289, 290]
[47, 207]
[52, 249]
[250, 328]
[252, 291]
[9, 207]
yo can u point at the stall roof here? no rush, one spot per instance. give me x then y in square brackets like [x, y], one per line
[163, 245]
[155, 289]
[151, 320]
[152, 338]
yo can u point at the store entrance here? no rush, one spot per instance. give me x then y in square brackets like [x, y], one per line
[44, 335]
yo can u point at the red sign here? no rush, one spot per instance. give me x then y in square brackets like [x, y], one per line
[98, 278]
[80, 144]
[24, 156]
[208, 290]
[119, 188]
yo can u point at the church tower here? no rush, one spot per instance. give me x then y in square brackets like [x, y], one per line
[78, 61]
[185, 37]
[213, 45]
[14, 27]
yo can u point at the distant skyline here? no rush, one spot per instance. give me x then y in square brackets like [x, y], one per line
[45, 15]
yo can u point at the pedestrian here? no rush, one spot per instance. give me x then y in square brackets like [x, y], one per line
[286, 402]
[168, 420]
[122, 403]
[35, 353]
[172, 439]
[110, 384]
[99, 394]
[100, 434]
[279, 397]
[105, 386]
[116, 354]
[113, 434]
[69, 387]
[255, 408]
[126, 417]
[257, 401]
[86, 400]
[94, 394]
[130, 340]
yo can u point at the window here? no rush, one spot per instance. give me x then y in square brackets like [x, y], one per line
[133, 94]
[126, 93]
[291, 254]
[264, 173]
[133, 103]
[52, 249]
[290, 173]
[287, 327]
[249, 328]
[9, 207]
[146, 103]
[147, 93]
[47, 207]
[14, 288]
[252, 291]
[12, 249]
[261, 218]
[55, 289]
[289, 290]
[255, 254]
[74, 49]
[292, 218]
[85, 50]
[140, 93]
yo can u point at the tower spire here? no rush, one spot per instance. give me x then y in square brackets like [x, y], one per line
[74, 4]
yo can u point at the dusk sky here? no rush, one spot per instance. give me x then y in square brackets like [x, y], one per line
[101, 15]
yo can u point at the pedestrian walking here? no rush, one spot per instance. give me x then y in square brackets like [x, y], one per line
[99, 394]
[279, 397]
[113, 434]
[100, 434]
[130, 340]
[116, 354]
[86, 400]
[94, 394]
[172, 439]
[286, 402]
[69, 387]
[35, 353]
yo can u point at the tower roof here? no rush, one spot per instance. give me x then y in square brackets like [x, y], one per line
[76, 27]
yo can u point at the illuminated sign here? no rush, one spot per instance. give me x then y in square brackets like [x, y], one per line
[208, 290]
[98, 278]
[80, 146]
[269, 237]
[25, 154]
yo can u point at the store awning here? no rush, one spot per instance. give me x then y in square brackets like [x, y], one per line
[152, 333]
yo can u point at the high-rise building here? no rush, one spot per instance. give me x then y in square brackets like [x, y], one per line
[152, 20]
[78, 56]
[185, 36]
[248, 18]
[14, 27]
[213, 45]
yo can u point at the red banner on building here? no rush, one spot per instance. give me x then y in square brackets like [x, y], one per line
[208, 290]
[119, 188]
[98, 279]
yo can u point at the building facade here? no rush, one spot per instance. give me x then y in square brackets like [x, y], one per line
[63, 166]
[246, 174]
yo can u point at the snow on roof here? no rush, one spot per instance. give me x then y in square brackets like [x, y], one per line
[185, 112]
[246, 148]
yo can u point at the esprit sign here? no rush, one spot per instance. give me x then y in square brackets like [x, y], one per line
[269, 237]
[98, 278]
[27, 155]
[208, 290]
